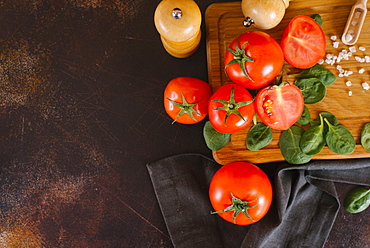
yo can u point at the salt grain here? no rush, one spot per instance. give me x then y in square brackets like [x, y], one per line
[348, 83]
[365, 86]
[362, 70]
[348, 37]
[354, 23]
[333, 38]
[361, 48]
[336, 44]
[352, 49]
[350, 93]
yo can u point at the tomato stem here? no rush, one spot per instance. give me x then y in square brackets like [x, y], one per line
[231, 106]
[185, 108]
[238, 206]
[240, 57]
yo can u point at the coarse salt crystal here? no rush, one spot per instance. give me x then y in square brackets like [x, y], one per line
[367, 59]
[333, 37]
[348, 83]
[329, 56]
[357, 14]
[321, 61]
[350, 93]
[358, 59]
[348, 37]
[336, 44]
[362, 70]
[340, 75]
[361, 48]
[352, 49]
[354, 23]
[339, 67]
[362, 60]
[351, 31]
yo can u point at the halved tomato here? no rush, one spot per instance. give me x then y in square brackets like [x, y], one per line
[303, 42]
[279, 107]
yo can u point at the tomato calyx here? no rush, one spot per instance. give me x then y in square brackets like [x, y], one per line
[240, 57]
[185, 108]
[231, 106]
[238, 206]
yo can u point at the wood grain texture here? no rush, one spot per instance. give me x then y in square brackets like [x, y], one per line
[224, 23]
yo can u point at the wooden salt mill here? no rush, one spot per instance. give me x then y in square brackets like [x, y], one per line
[178, 23]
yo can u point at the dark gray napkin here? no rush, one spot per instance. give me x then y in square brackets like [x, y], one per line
[303, 212]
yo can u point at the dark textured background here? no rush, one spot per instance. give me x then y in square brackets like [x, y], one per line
[81, 85]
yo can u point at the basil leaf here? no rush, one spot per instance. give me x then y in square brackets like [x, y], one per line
[319, 72]
[317, 18]
[258, 137]
[214, 139]
[305, 117]
[325, 115]
[357, 200]
[365, 137]
[339, 139]
[289, 146]
[312, 89]
[312, 140]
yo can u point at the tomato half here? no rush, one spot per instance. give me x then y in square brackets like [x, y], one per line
[186, 99]
[244, 184]
[303, 42]
[279, 107]
[253, 59]
[230, 108]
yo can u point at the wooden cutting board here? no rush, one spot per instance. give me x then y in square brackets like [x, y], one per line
[224, 23]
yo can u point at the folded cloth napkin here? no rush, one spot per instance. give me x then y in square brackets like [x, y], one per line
[302, 214]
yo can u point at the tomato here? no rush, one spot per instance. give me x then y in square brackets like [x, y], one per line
[303, 42]
[236, 182]
[279, 107]
[230, 108]
[253, 59]
[186, 99]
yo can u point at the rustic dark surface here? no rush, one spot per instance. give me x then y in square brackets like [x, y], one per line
[81, 84]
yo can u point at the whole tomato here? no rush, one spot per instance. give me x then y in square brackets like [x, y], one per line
[253, 59]
[186, 99]
[230, 109]
[240, 193]
[303, 42]
[279, 107]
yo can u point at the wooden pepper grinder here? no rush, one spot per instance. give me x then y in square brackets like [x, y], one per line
[264, 14]
[178, 23]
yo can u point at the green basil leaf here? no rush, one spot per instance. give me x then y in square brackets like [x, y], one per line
[319, 72]
[325, 115]
[365, 137]
[214, 139]
[305, 117]
[289, 146]
[313, 90]
[317, 18]
[258, 137]
[312, 140]
[339, 139]
[357, 200]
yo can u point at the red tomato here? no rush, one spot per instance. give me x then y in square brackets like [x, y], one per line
[253, 59]
[303, 42]
[244, 182]
[186, 99]
[279, 107]
[230, 108]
